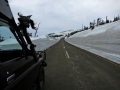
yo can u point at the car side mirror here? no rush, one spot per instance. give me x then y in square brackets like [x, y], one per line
[41, 54]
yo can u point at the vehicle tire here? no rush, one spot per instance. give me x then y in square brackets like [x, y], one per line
[41, 80]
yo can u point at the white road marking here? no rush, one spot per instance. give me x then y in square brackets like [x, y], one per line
[63, 45]
[67, 54]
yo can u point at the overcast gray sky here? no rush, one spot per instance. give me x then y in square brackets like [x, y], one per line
[60, 15]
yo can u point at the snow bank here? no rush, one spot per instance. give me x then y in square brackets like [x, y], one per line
[34, 38]
[14, 41]
[103, 40]
[42, 43]
[9, 41]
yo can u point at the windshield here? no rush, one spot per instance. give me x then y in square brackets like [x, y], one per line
[8, 40]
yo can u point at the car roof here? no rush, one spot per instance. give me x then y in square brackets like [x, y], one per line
[6, 16]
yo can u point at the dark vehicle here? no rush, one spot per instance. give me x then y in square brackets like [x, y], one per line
[21, 67]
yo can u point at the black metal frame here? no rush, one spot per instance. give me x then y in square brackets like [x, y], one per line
[15, 29]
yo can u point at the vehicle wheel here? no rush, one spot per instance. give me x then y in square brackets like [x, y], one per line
[41, 80]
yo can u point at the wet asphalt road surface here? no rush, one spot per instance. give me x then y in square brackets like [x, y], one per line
[71, 68]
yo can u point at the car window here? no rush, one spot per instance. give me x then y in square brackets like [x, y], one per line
[8, 40]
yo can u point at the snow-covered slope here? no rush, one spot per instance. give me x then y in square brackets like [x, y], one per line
[9, 41]
[42, 43]
[103, 40]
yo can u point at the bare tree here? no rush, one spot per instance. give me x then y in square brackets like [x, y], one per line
[36, 30]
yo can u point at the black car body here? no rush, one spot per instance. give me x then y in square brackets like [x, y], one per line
[21, 67]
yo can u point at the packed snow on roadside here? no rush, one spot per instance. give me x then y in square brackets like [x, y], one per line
[9, 41]
[44, 43]
[103, 40]
[41, 43]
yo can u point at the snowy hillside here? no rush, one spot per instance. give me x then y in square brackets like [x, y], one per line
[103, 40]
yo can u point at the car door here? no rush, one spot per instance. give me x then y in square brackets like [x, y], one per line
[18, 71]
[16, 68]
